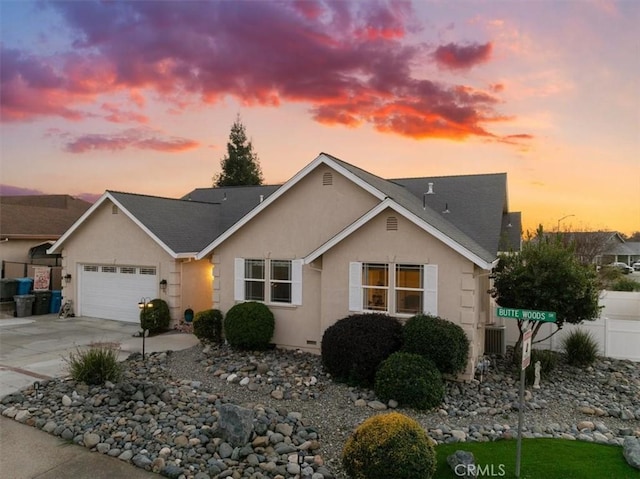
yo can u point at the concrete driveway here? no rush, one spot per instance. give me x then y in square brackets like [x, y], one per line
[34, 348]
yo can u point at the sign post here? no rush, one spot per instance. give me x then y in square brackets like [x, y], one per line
[526, 360]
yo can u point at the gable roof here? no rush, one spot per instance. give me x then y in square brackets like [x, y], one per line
[40, 216]
[180, 227]
[391, 194]
[234, 201]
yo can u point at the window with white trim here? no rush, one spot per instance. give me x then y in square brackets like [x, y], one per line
[277, 281]
[375, 286]
[408, 290]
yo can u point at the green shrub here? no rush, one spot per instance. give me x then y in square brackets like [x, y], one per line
[548, 362]
[438, 340]
[625, 284]
[410, 379]
[353, 347]
[389, 446]
[207, 325]
[580, 347]
[249, 325]
[155, 316]
[95, 365]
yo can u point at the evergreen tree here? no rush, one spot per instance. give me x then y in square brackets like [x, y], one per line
[240, 166]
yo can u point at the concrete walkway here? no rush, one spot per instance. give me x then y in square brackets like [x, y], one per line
[33, 349]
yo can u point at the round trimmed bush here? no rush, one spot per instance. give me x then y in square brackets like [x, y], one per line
[207, 325]
[389, 446]
[353, 347]
[410, 379]
[249, 325]
[155, 317]
[438, 340]
[580, 347]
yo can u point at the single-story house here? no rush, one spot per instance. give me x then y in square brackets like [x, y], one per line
[29, 225]
[332, 241]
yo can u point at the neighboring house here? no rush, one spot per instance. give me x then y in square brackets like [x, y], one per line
[129, 247]
[601, 247]
[332, 241]
[336, 240]
[29, 225]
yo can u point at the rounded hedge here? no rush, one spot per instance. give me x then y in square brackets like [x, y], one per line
[410, 379]
[353, 347]
[207, 325]
[249, 325]
[438, 340]
[389, 446]
[155, 316]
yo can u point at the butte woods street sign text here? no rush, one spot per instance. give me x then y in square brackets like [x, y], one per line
[526, 314]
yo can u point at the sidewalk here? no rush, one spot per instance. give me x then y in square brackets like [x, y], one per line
[34, 348]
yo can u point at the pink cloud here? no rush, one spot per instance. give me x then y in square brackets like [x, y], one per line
[348, 61]
[462, 57]
[142, 139]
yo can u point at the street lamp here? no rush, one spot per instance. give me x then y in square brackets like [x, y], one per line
[144, 304]
[563, 218]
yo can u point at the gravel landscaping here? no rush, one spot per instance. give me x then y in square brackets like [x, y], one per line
[209, 412]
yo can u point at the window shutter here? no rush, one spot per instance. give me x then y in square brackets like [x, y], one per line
[238, 293]
[355, 286]
[430, 289]
[296, 282]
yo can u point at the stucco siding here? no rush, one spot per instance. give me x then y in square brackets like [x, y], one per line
[290, 228]
[458, 298]
[107, 238]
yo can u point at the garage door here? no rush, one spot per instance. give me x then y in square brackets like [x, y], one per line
[113, 292]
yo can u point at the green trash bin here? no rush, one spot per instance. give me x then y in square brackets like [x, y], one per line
[24, 304]
[42, 302]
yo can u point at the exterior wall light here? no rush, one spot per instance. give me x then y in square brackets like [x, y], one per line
[67, 278]
[163, 285]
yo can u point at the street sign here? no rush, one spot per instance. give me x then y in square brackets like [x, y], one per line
[526, 314]
[526, 348]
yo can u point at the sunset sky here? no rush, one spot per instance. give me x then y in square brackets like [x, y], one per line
[140, 96]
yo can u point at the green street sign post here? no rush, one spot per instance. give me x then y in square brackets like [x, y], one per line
[526, 314]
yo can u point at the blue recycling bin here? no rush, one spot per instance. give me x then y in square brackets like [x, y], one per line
[24, 286]
[56, 301]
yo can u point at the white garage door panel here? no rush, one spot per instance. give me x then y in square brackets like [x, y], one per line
[109, 294]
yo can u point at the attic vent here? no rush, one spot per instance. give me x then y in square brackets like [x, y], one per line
[392, 223]
[327, 179]
[114, 210]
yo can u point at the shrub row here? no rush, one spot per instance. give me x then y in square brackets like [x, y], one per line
[401, 363]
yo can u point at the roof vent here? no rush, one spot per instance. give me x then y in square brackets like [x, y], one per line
[430, 189]
[446, 209]
[261, 198]
[224, 196]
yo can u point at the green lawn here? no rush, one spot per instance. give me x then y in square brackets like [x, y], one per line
[541, 458]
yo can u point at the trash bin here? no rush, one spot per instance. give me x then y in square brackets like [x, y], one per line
[24, 285]
[42, 302]
[24, 304]
[56, 301]
[8, 289]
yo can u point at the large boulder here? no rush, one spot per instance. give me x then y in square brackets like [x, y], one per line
[463, 464]
[235, 424]
[631, 451]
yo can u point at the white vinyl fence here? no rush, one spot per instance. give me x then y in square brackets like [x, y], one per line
[617, 330]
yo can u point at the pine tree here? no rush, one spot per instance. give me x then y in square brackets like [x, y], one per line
[240, 166]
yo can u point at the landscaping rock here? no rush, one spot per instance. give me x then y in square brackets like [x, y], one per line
[631, 451]
[463, 464]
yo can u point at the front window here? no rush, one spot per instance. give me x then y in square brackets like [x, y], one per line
[409, 288]
[375, 286]
[254, 279]
[281, 281]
